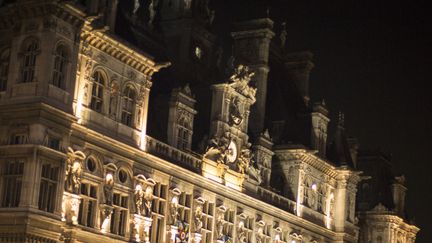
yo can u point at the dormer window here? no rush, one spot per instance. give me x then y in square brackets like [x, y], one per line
[31, 50]
[60, 66]
[97, 91]
[128, 106]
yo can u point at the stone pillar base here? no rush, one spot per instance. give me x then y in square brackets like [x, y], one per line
[70, 208]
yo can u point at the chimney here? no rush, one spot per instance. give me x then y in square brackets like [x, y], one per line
[320, 120]
[399, 192]
[298, 66]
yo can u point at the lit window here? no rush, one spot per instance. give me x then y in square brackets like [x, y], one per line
[128, 106]
[31, 50]
[97, 92]
[4, 68]
[60, 65]
[48, 188]
[12, 181]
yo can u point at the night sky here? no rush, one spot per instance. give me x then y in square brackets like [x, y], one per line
[373, 63]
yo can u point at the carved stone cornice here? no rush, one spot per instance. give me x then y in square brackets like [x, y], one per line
[120, 51]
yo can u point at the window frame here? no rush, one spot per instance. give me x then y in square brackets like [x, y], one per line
[60, 67]
[128, 105]
[30, 52]
[99, 82]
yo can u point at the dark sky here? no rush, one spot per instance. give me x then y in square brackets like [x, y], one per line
[373, 63]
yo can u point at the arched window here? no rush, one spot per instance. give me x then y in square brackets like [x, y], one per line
[128, 105]
[4, 68]
[31, 50]
[60, 66]
[97, 91]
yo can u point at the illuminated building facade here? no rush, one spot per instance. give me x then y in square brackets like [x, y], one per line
[87, 154]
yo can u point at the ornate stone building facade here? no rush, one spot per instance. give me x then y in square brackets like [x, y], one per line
[119, 122]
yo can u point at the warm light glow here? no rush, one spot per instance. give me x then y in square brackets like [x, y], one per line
[314, 187]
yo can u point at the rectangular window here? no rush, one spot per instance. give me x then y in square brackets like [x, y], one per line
[12, 182]
[48, 187]
[20, 138]
[157, 230]
[119, 215]
[87, 212]
[54, 143]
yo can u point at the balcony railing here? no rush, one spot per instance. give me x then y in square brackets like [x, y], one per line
[184, 159]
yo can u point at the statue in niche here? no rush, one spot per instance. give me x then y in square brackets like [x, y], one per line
[283, 35]
[240, 81]
[220, 226]
[241, 233]
[73, 170]
[235, 115]
[108, 189]
[148, 200]
[136, 6]
[173, 211]
[114, 94]
[139, 197]
[152, 12]
[198, 219]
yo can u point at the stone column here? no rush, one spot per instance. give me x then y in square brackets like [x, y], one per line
[251, 47]
[340, 204]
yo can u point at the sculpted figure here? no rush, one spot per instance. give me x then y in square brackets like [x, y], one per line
[244, 160]
[241, 233]
[240, 81]
[173, 211]
[108, 189]
[148, 199]
[73, 170]
[198, 219]
[139, 196]
[236, 117]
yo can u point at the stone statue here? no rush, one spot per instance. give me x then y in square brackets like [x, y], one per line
[244, 160]
[220, 223]
[173, 212]
[198, 219]
[148, 200]
[235, 115]
[108, 189]
[152, 12]
[73, 170]
[217, 150]
[139, 196]
[114, 93]
[283, 35]
[240, 82]
[241, 233]
[136, 6]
